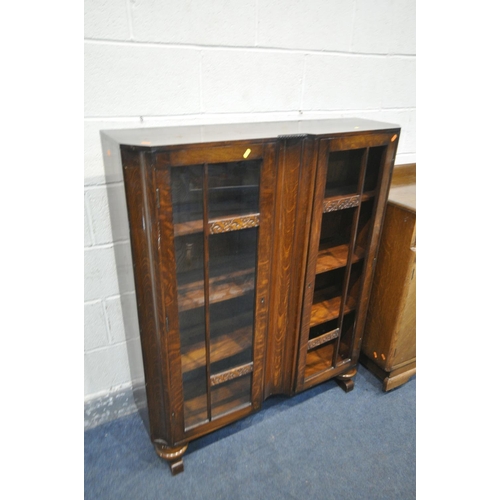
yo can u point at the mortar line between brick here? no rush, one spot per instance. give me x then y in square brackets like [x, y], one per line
[256, 23]
[108, 297]
[244, 47]
[302, 90]
[202, 108]
[106, 246]
[89, 187]
[115, 344]
[129, 19]
[353, 24]
[113, 390]
[106, 321]
[89, 219]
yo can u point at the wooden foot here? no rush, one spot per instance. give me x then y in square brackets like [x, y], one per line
[346, 380]
[172, 455]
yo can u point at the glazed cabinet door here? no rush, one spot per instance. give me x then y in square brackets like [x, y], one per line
[215, 238]
[351, 189]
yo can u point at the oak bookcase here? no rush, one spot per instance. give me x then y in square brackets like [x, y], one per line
[254, 248]
[389, 347]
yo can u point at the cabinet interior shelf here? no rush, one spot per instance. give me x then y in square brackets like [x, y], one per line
[328, 309]
[335, 257]
[222, 287]
[321, 359]
[221, 347]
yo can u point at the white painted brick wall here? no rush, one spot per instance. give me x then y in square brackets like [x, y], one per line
[106, 19]
[127, 79]
[156, 62]
[306, 25]
[253, 81]
[326, 86]
[216, 22]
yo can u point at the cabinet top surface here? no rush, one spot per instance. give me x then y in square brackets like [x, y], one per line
[193, 134]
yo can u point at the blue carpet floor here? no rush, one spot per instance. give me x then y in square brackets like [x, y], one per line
[321, 444]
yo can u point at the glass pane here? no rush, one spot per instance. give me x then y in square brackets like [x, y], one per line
[187, 202]
[233, 189]
[346, 338]
[343, 172]
[320, 358]
[335, 235]
[354, 287]
[375, 156]
[323, 328]
[187, 199]
[364, 227]
[233, 259]
[327, 296]
[231, 395]
[336, 227]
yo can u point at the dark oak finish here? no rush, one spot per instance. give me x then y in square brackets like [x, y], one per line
[254, 249]
[389, 342]
[352, 181]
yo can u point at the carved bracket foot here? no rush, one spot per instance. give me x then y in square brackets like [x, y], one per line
[172, 455]
[346, 380]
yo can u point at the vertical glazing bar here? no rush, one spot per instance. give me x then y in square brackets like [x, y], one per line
[352, 243]
[206, 280]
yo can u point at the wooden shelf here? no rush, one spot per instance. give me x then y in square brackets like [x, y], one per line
[190, 227]
[367, 195]
[328, 309]
[319, 359]
[340, 192]
[221, 347]
[330, 258]
[224, 287]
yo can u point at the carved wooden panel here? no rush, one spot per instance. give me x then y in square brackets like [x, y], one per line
[233, 224]
[340, 203]
[321, 339]
[230, 374]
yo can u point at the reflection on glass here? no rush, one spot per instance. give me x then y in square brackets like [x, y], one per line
[224, 252]
[232, 297]
[233, 188]
[187, 193]
[187, 202]
[343, 172]
[346, 338]
[364, 226]
[231, 395]
[232, 303]
[373, 168]
[336, 227]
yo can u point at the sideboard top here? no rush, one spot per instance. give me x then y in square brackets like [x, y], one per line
[194, 134]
